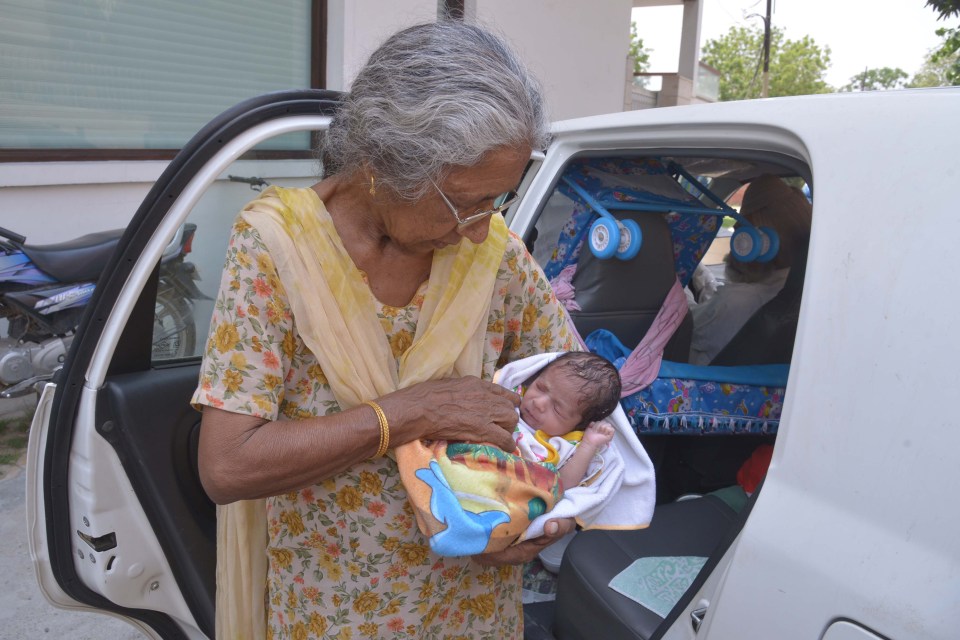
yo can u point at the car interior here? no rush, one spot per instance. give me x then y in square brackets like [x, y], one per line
[680, 205]
[700, 505]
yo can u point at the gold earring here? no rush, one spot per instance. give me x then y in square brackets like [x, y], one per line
[373, 186]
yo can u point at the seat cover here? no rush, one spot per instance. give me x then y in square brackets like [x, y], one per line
[624, 296]
[767, 336]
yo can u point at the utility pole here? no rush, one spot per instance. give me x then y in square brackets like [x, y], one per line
[766, 52]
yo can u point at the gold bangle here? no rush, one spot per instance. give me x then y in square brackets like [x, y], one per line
[384, 429]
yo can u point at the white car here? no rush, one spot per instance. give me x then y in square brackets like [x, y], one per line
[851, 536]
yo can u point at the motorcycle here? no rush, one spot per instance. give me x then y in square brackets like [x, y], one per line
[44, 289]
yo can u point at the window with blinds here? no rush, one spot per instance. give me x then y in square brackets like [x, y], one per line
[142, 74]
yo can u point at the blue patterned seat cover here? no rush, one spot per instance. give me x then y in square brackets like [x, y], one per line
[687, 399]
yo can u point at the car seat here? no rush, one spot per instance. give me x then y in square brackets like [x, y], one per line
[767, 336]
[587, 608]
[624, 296]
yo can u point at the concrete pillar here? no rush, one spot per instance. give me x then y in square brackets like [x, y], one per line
[690, 39]
[675, 90]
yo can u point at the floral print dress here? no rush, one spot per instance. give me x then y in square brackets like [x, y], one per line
[346, 559]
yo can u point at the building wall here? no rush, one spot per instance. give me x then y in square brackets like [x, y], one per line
[577, 49]
[52, 202]
[356, 27]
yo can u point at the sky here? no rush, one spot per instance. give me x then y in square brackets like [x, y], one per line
[860, 33]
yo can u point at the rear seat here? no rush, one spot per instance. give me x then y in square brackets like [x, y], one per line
[624, 297]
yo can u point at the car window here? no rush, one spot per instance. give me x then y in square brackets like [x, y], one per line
[685, 211]
[191, 269]
[714, 259]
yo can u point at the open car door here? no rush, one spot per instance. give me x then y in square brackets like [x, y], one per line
[118, 520]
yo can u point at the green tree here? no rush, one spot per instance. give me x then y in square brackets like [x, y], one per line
[640, 55]
[945, 8]
[934, 73]
[948, 54]
[877, 79]
[796, 66]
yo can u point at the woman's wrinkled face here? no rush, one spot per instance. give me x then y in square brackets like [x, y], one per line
[552, 403]
[428, 224]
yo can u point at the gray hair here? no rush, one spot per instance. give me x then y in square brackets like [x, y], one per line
[432, 97]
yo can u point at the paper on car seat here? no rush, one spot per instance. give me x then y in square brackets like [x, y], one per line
[659, 582]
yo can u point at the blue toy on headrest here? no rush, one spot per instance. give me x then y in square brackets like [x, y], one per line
[599, 186]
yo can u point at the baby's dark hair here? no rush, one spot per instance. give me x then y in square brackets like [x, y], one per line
[601, 383]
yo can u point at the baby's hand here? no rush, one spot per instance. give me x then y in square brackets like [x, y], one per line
[598, 434]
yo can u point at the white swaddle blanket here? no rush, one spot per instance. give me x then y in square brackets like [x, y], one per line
[555, 449]
[623, 493]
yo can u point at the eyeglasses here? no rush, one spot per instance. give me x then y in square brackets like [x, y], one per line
[500, 203]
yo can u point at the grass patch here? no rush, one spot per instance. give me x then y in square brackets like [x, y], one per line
[13, 439]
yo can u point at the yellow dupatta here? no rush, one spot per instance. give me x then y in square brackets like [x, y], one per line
[336, 316]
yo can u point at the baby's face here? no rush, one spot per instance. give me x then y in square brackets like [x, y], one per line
[551, 403]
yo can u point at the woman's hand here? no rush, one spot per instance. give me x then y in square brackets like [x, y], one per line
[527, 550]
[457, 409]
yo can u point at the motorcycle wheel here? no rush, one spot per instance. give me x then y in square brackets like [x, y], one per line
[174, 332]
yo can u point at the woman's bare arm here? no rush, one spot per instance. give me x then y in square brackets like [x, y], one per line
[244, 457]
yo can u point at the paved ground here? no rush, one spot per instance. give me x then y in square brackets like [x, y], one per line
[24, 612]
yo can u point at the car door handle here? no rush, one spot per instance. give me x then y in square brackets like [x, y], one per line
[100, 543]
[696, 618]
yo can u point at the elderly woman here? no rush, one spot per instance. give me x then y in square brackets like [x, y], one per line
[368, 312]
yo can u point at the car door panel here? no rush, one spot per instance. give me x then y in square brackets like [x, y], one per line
[147, 418]
[851, 522]
[37, 529]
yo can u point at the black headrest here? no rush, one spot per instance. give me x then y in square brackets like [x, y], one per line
[624, 296]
